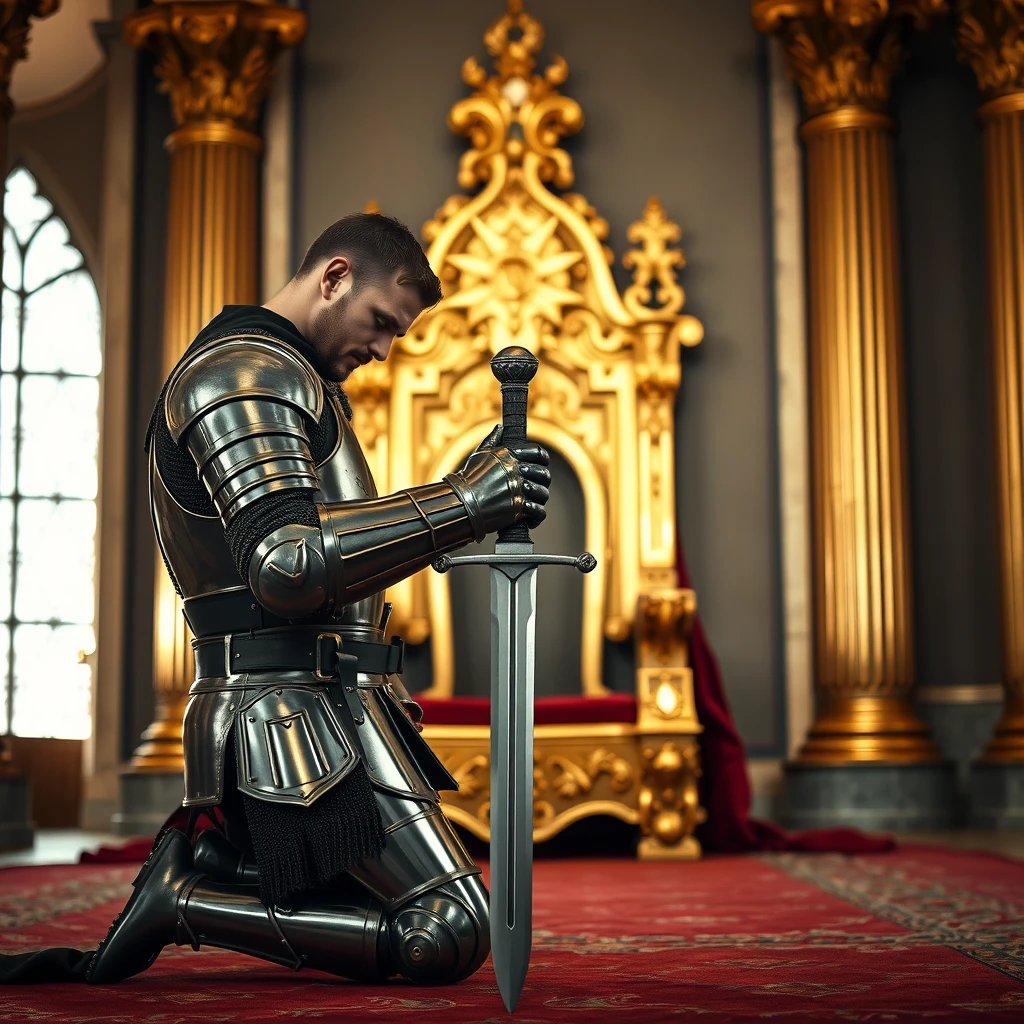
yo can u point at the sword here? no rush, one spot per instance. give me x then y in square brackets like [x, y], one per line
[513, 628]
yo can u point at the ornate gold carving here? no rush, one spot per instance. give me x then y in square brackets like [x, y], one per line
[472, 774]
[578, 771]
[15, 18]
[842, 52]
[523, 265]
[668, 806]
[664, 681]
[215, 59]
[515, 96]
[572, 779]
[990, 34]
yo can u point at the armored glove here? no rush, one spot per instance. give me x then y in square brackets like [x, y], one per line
[502, 485]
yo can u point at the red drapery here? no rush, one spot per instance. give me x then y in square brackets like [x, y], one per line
[724, 787]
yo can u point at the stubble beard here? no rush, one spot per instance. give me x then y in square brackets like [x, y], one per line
[329, 324]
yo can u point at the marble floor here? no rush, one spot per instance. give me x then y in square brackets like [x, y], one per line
[59, 846]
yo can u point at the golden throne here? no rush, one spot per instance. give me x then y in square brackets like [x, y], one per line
[522, 264]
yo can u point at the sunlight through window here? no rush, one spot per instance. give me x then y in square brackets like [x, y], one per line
[49, 433]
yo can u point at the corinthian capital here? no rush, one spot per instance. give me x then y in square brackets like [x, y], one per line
[842, 52]
[990, 37]
[14, 26]
[215, 59]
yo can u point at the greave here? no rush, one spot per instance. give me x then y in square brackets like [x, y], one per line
[343, 932]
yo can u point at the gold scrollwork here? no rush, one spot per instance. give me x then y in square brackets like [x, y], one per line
[472, 774]
[669, 807]
[573, 778]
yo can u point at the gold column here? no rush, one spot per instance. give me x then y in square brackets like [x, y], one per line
[843, 56]
[214, 60]
[990, 36]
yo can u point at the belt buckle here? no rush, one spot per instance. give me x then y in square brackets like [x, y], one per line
[318, 671]
[227, 655]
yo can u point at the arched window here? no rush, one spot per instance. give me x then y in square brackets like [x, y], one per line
[50, 359]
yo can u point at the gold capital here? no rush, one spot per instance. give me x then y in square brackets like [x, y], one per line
[990, 37]
[215, 60]
[842, 52]
[14, 28]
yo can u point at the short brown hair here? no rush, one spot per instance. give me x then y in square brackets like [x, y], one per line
[382, 246]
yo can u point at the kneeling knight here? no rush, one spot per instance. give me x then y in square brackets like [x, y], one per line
[300, 742]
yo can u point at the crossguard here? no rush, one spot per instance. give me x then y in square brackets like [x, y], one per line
[585, 562]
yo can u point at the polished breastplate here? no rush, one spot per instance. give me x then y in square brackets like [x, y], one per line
[197, 553]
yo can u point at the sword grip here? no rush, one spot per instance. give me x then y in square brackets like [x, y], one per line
[514, 367]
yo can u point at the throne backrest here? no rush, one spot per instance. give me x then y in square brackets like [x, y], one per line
[522, 264]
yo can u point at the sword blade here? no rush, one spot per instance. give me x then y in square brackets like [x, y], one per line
[513, 628]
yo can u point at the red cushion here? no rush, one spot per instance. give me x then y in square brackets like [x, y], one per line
[615, 707]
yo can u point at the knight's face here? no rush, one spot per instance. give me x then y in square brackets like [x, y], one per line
[358, 322]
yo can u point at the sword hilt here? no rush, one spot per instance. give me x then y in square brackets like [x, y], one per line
[514, 367]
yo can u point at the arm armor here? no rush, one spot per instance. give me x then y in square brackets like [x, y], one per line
[365, 546]
[243, 408]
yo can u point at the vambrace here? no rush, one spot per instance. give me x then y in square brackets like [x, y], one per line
[360, 548]
[370, 545]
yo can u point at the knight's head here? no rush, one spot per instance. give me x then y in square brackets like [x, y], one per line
[365, 280]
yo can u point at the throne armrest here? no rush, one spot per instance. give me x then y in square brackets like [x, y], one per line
[667, 726]
[664, 680]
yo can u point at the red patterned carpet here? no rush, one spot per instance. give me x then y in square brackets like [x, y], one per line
[918, 934]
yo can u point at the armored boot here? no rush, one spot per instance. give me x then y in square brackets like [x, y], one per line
[150, 917]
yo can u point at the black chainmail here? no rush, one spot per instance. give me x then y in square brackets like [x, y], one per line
[302, 848]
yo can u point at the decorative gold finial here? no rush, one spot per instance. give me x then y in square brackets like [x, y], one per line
[515, 95]
[655, 293]
[15, 16]
[215, 59]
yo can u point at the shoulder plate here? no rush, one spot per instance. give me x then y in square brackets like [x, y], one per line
[240, 367]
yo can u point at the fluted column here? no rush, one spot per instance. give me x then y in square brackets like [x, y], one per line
[990, 36]
[214, 60]
[843, 57]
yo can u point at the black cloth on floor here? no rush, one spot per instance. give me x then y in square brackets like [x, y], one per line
[48, 965]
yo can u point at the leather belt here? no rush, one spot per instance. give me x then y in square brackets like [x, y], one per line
[293, 649]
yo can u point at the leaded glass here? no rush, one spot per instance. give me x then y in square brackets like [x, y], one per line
[52, 681]
[58, 436]
[50, 359]
[53, 343]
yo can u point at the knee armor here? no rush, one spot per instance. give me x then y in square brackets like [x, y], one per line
[442, 937]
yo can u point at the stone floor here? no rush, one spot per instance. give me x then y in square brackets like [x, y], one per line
[64, 846]
[59, 846]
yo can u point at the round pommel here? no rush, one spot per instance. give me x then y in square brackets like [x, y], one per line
[514, 365]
